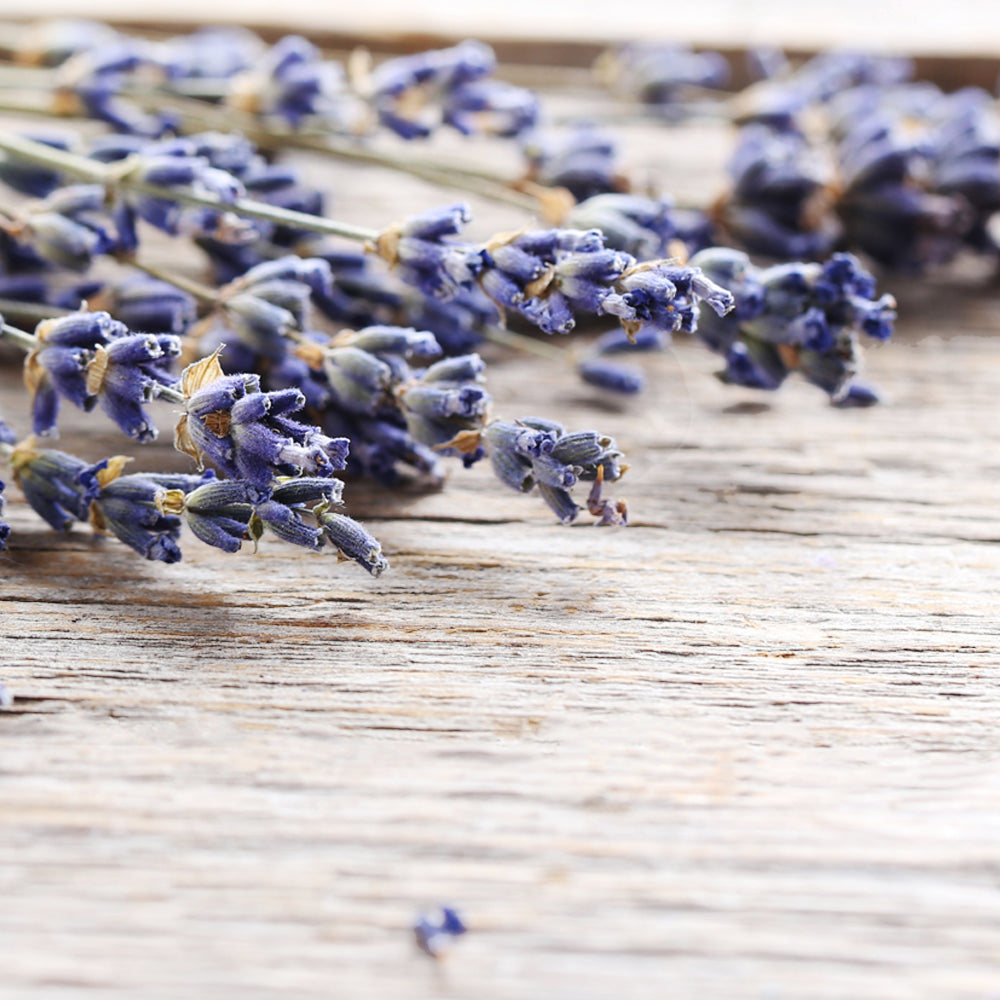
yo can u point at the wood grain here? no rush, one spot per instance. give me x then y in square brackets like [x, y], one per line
[747, 747]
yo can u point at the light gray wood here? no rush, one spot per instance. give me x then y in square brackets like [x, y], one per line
[747, 747]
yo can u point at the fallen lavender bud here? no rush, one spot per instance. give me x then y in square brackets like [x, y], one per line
[602, 374]
[436, 932]
[4, 526]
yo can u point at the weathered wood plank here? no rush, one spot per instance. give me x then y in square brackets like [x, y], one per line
[746, 747]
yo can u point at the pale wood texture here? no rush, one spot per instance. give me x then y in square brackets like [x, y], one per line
[747, 747]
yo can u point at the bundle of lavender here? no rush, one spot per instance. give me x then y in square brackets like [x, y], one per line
[305, 357]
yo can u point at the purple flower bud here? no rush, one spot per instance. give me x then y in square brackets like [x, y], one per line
[491, 107]
[125, 375]
[625, 379]
[435, 933]
[584, 160]
[50, 483]
[126, 507]
[248, 434]
[537, 453]
[292, 81]
[4, 526]
[217, 512]
[353, 541]
[58, 366]
[153, 306]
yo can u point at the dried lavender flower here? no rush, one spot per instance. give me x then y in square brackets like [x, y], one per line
[128, 373]
[445, 406]
[584, 161]
[795, 317]
[435, 933]
[125, 506]
[536, 453]
[57, 368]
[68, 228]
[352, 541]
[547, 275]
[292, 82]
[248, 434]
[50, 482]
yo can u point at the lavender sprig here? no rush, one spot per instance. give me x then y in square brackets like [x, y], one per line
[796, 317]
[248, 434]
[90, 358]
[534, 453]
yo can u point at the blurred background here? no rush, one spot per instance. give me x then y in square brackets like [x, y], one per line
[969, 26]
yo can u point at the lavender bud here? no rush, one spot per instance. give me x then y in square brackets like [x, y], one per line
[126, 374]
[353, 541]
[248, 434]
[435, 933]
[49, 481]
[125, 506]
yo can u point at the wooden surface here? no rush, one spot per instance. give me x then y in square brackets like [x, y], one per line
[747, 747]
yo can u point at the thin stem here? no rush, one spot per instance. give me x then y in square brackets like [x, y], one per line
[167, 392]
[202, 114]
[117, 176]
[31, 310]
[203, 293]
[23, 339]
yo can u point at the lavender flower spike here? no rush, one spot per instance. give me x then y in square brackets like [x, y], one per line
[125, 506]
[58, 366]
[246, 433]
[549, 275]
[536, 453]
[126, 374]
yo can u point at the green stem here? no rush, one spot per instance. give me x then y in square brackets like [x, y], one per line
[30, 310]
[203, 293]
[201, 114]
[116, 176]
[23, 339]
